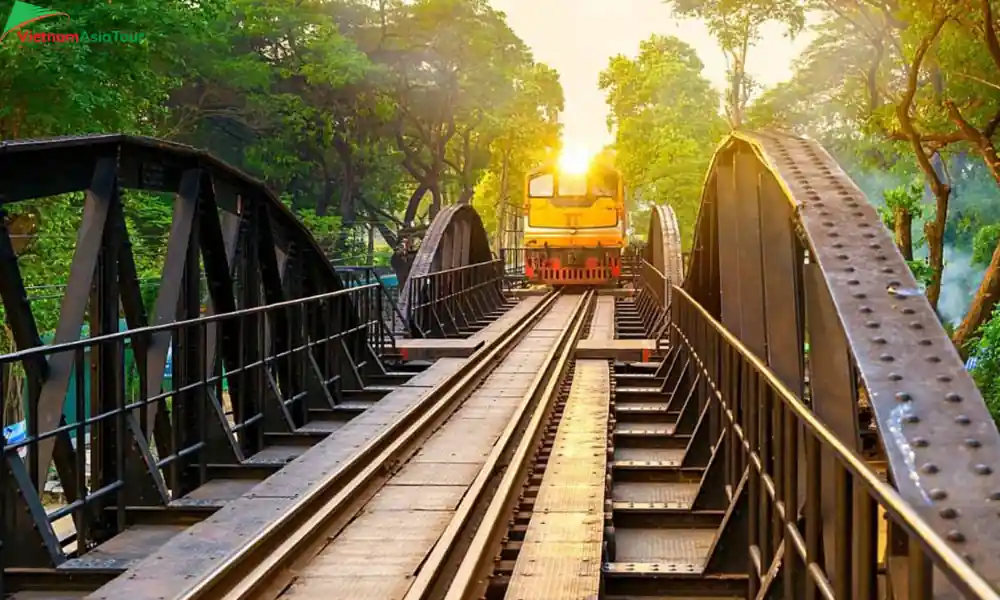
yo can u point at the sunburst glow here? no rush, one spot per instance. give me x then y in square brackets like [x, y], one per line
[574, 161]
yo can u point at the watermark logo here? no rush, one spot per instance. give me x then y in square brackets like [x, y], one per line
[24, 14]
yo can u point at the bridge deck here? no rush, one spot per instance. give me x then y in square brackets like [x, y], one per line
[433, 349]
[164, 570]
[378, 553]
[561, 554]
[612, 349]
[602, 325]
[515, 314]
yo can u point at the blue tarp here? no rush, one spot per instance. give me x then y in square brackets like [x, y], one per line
[15, 433]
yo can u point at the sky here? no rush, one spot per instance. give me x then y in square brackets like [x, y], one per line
[578, 37]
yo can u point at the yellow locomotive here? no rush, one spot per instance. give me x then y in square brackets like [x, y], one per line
[574, 223]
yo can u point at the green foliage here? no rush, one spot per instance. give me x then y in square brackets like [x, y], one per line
[921, 270]
[987, 370]
[985, 241]
[736, 25]
[339, 105]
[666, 123]
[906, 197]
[523, 132]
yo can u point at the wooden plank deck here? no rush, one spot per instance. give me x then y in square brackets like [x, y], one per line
[560, 558]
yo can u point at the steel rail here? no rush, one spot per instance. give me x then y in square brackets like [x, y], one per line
[475, 559]
[529, 417]
[251, 568]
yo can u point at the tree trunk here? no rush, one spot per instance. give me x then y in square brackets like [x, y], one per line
[501, 232]
[371, 244]
[982, 305]
[933, 229]
[989, 288]
[435, 199]
[413, 204]
[348, 213]
[468, 183]
[904, 231]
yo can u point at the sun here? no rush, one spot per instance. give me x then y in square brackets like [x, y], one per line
[574, 161]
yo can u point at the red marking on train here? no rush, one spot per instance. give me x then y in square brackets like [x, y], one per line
[404, 353]
[645, 355]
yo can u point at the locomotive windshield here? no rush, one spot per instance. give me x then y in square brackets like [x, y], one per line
[570, 201]
[572, 185]
[601, 185]
[542, 186]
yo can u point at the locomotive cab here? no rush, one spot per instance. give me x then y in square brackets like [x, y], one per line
[574, 226]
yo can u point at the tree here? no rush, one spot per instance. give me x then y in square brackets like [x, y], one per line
[736, 25]
[523, 133]
[451, 62]
[913, 78]
[666, 124]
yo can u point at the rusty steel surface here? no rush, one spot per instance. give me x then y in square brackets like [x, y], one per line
[756, 470]
[665, 253]
[560, 556]
[455, 238]
[940, 440]
[792, 260]
[246, 301]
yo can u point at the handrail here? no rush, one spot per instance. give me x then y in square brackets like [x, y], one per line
[20, 355]
[954, 566]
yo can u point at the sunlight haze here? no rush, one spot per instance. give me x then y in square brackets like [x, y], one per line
[577, 38]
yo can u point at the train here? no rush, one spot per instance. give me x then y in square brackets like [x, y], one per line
[575, 228]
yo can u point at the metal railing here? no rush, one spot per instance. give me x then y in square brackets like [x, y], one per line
[157, 433]
[354, 276]
[810, 504]
[451, 302]
[652, 300]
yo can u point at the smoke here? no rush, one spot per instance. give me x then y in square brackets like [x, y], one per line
[958, 284]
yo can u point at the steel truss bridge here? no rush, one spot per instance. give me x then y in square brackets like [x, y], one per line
[779, 415]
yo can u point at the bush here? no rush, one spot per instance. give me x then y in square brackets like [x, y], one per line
[986, 371]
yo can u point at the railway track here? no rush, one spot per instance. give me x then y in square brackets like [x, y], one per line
[504, 481]
[435, 476]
